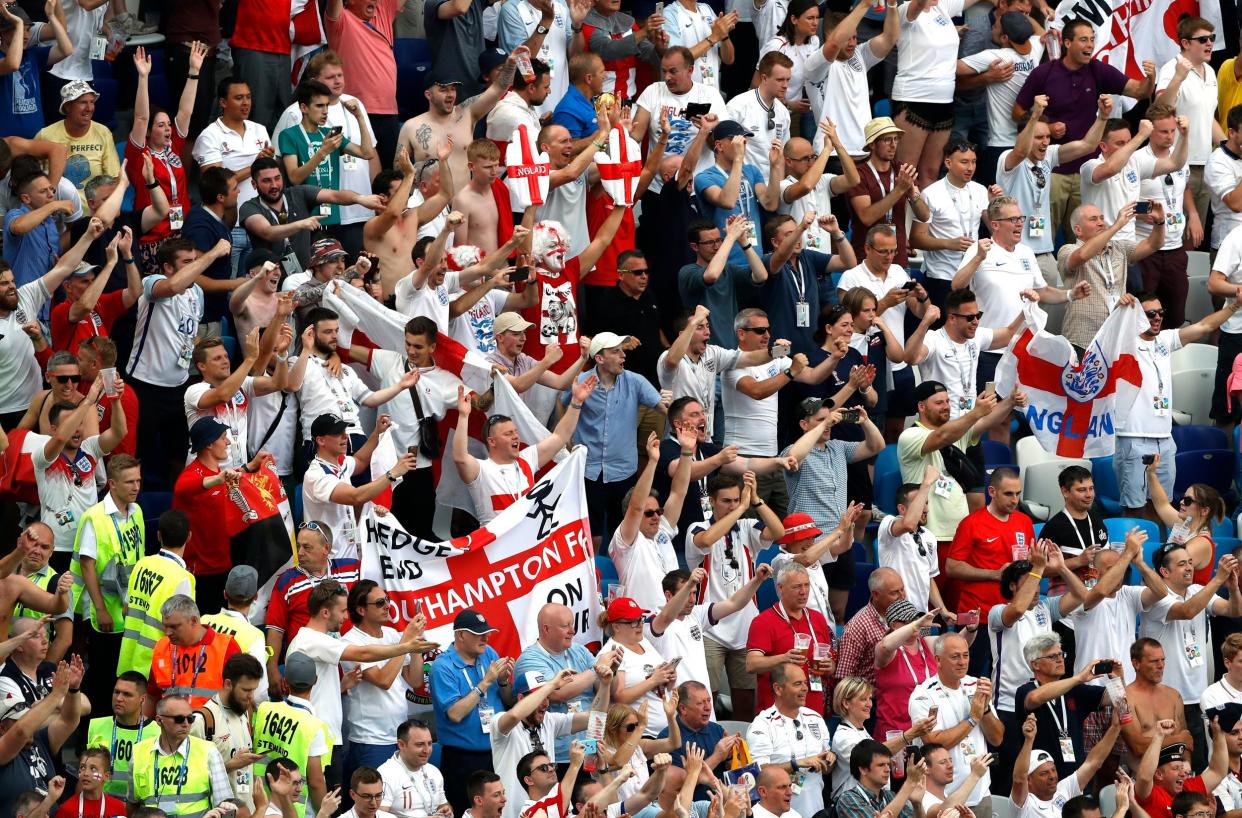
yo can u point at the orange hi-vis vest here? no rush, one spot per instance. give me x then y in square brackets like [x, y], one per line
[196, 671]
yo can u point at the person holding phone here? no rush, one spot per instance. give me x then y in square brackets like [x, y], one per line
[312, 152]
[1115, 177]
[910, 639]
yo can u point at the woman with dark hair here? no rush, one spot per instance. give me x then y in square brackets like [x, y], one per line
[1190, 523]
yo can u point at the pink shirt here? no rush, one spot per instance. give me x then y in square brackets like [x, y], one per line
[367, 49]
[895, 683]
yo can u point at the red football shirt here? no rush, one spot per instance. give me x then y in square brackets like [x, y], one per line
[555, 317]
[772, 634]
[99, 322]
[80, 807]
[987, 543]
[218, 514]
[1160, 803]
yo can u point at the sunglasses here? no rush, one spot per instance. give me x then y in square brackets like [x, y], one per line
[1203, 39]
[548, 766]
[644, 271]
[757, 330]
[1188, 501]
[798, 728]
[63, 379]
[179, 719]
[1153, 313]
[630, 728]
[968, 317]
[382, 602]
[311, 526]
[653, 512]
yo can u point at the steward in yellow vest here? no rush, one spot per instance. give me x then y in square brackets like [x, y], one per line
[151, 583]
[291, 730]
[119, 732]
[175, 772]
[111, 539]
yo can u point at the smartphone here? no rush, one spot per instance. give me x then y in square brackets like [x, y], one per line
[990, 387]
[967, 619]
[1142, 208]
[934, 711]
[520, 274]
[850, 416]
[674, 662]
[1103, 668]
[659, 10]
[780, 350]
[694, 109]
[1148, 459]
[335, 130]
[411, 450]
[909, 285]
[418, 607]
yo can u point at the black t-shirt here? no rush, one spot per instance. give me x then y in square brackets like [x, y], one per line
[30, 769]
[692, 508]
[1072, 535]
[97, 253]
[1064, 714]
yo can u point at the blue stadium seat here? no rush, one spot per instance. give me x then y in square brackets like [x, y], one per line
[1213, 467]
[859, 595]
[1225, 545]
[1118, 527]
[884, 489]
[604, 565]
[230, 344]
[996, 454]
[1199, 438]
[1107, 491]
[297, 504]
[1223, 529]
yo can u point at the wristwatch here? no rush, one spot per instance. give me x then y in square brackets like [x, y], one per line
[541, 29]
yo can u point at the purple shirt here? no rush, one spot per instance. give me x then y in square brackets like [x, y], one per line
[1073, 98]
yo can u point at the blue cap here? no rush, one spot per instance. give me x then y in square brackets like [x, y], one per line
[204, 432]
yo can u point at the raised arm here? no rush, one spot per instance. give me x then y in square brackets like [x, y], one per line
[184, 278]
[142, 99]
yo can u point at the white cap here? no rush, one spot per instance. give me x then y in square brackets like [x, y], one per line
[606, 340]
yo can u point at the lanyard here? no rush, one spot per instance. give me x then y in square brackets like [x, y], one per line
[780, 611]
[966, 374]
[1077, 532]
[963, 216]
[141, 723]
[795, 264]
[1149, 351]
[185, 760]
[172, 177]
[1063, 722]
[198, 664]
[120, 537]
[892, 180]
[905, 658]
[82, 802]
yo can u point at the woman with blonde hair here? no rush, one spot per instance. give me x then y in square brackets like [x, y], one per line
[852, 701]
[624, 744]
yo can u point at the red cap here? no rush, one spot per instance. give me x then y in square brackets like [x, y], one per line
[623, 608]
[798, 526]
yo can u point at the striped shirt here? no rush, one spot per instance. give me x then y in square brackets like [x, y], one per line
[287, 610]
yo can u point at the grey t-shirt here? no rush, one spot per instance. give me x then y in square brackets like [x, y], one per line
[456, 44]
[299, 203]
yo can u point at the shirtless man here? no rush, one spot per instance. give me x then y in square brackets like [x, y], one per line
[16, 588]
[64, 376]
[254, 303]
[447, 120]
[475, 200]
[1151, 700]
[392, 232]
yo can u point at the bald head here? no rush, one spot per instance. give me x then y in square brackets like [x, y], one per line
[797, 146]
[771, 774]
[23, 624]
[886, 587]
[556, 627]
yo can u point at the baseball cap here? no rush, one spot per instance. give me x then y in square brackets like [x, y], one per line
[489, 59]
[529, 682]
[880, 126]
[328, 424]
[810, 406]
[623, 608]
[85, 269]
[1016, 26]
[798, 526]
[926, 389]
[204, 432]
[1227, 715]
[728, 129]
[13, 706]
[300, 671]
[902, 611]
[242, 582]
[326, 250]
[473, 622]
[1038, 759]
[510, 322]
[72, 90]
[605, 340]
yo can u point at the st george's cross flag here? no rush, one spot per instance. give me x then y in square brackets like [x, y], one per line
[621, 167]
[527, 171]
[1074, 405]
[536, 551]
[1127, 32]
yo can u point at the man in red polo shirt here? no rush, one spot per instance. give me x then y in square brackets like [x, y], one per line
[986, 541]
[771, 641]
[1163, 772]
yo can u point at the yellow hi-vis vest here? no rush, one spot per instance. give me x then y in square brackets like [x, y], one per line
[178, 785]
[118, 548]
[153, 580]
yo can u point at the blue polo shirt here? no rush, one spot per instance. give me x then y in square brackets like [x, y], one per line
[706, 739]
[576, 658]
[31, 254]
[452, 679]
[608, 425]
[576, 113]
[805, 275]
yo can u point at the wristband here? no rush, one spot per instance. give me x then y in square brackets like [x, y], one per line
[1033, 574]
[478, 691]
[75, 690]
[191, 76]
[391, 479]
[577, 29]
[573, 405]
[839, 237]
[745, 247]
[152, 185]
[127, 260]
[1069, 295]
[971, 720]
